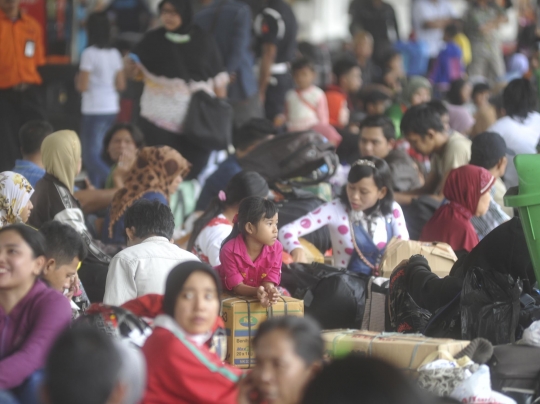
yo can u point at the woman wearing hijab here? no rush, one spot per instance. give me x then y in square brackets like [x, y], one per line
[182, 367]
[15, 193]
[176, 60]
[53, 200]
[467, 193]
[155, 175]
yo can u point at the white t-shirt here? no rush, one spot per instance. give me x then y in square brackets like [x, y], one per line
[103, 66]
[427, 10]
[208, 244]
[521, 138]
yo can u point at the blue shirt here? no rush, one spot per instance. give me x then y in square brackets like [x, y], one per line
[232, 32]
[119, 229]
[32, 172]
[218, 181]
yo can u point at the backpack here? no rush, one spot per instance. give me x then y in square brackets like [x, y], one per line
[286, 158]
[515, 371]
[335, 298]
[297, 204]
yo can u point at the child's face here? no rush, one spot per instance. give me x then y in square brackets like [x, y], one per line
[266, 231]
[304, 78]
[420, 96]
[352, 81]
[376, 108]
[364, 194]
[363, 48]
[481, 98]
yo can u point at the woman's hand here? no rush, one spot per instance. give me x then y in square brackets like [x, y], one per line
[125, 162]
[299, 255]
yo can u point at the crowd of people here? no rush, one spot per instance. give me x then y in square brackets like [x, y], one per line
[145, 218]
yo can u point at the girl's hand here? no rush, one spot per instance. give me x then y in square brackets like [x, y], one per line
[263, 297]
[273, 294]
[123, 167]
[299, 255]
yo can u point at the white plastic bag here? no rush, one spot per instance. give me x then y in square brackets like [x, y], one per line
[477, 389]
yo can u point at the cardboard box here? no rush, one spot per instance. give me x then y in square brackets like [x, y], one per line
[405, 351]
[440, 256]
[242, 317]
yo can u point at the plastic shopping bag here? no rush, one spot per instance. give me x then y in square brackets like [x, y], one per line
[477, 389]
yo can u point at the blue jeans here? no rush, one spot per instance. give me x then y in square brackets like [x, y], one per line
[93, 129]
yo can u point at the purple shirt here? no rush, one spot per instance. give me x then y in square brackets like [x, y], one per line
[28, 332]
[236, 265]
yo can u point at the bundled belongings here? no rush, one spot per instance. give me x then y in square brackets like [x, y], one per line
[407, 352]
[334, 297]
[440, 256]
[490, 306]
[416, 293]
[286, 157]
[242, 317]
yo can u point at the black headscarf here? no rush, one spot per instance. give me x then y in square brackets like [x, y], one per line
[184, 8]
[178, 277]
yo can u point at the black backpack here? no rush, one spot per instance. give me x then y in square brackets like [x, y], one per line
[286, 158]
[297, 204]
[335, 298]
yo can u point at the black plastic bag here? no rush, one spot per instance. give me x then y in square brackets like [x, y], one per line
[490, 306]
[335, 298]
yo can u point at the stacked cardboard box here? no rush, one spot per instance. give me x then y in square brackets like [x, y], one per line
[405, 351]
[242, 317]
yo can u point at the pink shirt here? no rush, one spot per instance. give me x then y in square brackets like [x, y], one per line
[236, 265]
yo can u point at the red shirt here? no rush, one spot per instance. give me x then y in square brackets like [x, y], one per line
[237, 267]
[179, 372]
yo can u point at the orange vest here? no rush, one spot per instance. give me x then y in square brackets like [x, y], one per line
[21, 51]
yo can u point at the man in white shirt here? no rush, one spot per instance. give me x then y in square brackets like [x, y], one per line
[520, 128]
[430, 18]
[143, 267]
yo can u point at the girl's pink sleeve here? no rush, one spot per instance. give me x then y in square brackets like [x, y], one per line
[289, 234]
[274, 273]
[229, 270]
[322, 110]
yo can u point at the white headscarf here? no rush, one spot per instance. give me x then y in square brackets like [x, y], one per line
[15, 192]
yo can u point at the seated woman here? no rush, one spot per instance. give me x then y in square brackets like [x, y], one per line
[156, 174]
[53, 200]
[15, 193]
[120, 147]
[467, 192]
[289, 353]
[361, 222]
[459, 97]
[216, 223]
[181, 365]
[31, 314]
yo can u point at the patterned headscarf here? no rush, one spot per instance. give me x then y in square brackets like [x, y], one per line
[15, 192]
[154, 171]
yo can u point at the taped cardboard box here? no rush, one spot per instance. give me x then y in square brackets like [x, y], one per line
[405, 351]
[440, 256]
[242, 317]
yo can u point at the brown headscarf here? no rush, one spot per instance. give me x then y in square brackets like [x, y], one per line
[154, 171]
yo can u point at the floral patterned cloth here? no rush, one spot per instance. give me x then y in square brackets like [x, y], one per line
[15, 193]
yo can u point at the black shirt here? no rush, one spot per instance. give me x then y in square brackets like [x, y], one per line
[276, 24]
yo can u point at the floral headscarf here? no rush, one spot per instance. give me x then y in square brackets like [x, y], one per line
[154, 171]
[15, 192]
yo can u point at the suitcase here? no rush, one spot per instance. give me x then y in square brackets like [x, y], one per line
[515, 372]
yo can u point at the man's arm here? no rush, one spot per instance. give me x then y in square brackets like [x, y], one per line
[432, 180]
[268, 57]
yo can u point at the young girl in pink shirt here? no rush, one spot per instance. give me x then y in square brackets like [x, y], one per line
[251, 255]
